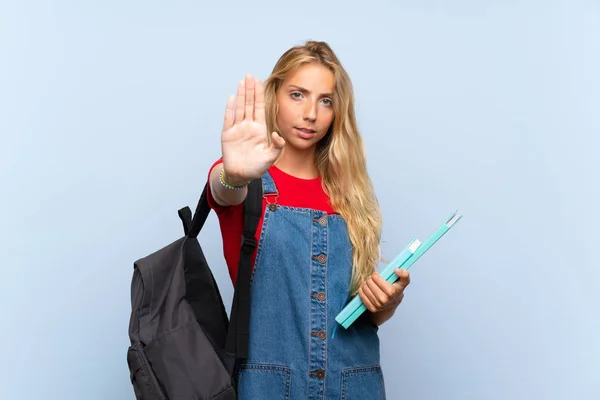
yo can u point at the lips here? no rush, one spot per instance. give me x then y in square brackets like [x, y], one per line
[307, 130]
[305, 133]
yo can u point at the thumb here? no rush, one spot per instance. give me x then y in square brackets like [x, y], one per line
[277, 141]
[404, 277]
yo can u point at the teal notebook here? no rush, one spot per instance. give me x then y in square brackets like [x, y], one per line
[411, 253]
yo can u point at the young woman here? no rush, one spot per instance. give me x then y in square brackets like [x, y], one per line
[318, 240]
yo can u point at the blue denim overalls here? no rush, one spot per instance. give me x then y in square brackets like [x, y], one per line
[301, 281]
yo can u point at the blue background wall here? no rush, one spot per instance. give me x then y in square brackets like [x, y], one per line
[110, 116]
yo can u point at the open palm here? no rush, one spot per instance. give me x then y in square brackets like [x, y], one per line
[247, 153]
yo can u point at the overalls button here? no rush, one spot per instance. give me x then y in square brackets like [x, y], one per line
[319, 374]
[272, 207]
[321, 334]
[322, 258]
[320, 296]
[323, 221]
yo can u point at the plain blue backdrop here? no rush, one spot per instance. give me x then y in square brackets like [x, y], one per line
[110, 116]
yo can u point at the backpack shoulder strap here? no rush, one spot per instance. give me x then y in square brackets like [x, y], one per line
[238, 334]
[185, 214]
[200, 215]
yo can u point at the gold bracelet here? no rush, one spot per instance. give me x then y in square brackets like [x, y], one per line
[227, 185]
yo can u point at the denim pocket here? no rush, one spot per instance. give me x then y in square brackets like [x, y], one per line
[258, 381]
[363, 383]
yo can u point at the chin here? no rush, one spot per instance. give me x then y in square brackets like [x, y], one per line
[301, 144]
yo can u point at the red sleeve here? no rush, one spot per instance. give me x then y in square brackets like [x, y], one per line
[231, 221]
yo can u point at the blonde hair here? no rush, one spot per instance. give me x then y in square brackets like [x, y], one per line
[340, 156]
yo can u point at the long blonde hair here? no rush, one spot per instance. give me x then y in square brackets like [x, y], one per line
[340, 156]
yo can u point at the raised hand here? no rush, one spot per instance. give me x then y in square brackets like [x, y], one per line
[246, 151]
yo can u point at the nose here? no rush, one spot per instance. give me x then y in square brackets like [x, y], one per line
[310, 111]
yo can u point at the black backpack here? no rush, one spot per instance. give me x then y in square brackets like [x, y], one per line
[182, 344]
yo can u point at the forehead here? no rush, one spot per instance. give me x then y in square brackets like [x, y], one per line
[314, 77]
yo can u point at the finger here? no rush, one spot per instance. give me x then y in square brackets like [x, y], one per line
[229, 113]
[370, 293]
[277, 144]
[259, 102]
[239, 102]
[249, 97]
[381, 297]
[277, 141]
[365, 299]
[404, 276]
[383, 285]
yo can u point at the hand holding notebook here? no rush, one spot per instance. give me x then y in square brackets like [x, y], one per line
[378, 295]
[411, 253]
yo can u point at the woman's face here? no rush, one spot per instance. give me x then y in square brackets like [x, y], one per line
[305, 106]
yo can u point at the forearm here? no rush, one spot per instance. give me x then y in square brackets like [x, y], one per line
[222, 195]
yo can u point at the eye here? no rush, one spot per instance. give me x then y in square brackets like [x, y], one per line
[328, 102]
[296, 95]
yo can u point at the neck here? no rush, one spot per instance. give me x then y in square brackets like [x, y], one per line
[298, 163]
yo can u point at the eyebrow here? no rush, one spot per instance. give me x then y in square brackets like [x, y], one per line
[306, 91]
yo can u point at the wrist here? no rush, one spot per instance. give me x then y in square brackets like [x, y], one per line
[380, 317]
[231, 181]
